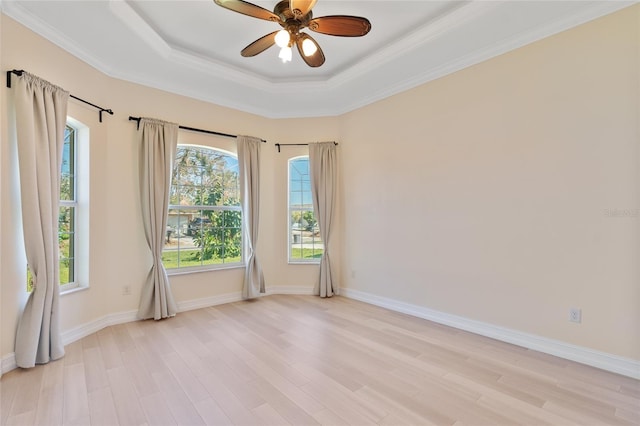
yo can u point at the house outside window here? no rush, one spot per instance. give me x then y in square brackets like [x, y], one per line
[204, 225]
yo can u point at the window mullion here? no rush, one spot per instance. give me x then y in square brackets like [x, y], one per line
[67, 238]
[304, 245]
[203, 233]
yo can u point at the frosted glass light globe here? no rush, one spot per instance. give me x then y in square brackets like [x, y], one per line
[285, 54]
[283, 38]
[308, 47]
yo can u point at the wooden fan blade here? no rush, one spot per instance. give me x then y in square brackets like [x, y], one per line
[260, 45]
[341, 25]
[300, 8]
[314, 60]
[248, 9]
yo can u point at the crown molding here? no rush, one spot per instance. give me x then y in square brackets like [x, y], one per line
[178, 56]
[246, 91]
[139, 26]
[489, 52]
[427, 33]
[16, 12]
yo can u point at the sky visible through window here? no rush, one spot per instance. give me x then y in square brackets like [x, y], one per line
[67, 171]
[204, 223]
[300, 183]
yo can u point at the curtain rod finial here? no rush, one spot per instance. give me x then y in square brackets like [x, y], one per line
[16, 72]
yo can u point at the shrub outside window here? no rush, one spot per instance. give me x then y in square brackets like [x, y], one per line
[305, 244]
[204, 226]
[73, 219]
[67, 211]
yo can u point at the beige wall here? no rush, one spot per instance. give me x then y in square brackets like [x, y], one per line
[2, 143]
[482, 194]
[117, 253]
[485, 194]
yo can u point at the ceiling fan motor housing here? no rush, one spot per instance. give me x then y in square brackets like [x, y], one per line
[293, 21]
[290, 20]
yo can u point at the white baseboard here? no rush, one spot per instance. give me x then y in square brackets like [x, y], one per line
[77, 333]
[285, 289]
[8, 361]
[616, 364]
[189, 305]
[205, 302]
[605, 361]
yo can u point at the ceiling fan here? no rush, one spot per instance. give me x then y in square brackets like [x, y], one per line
[293, 16]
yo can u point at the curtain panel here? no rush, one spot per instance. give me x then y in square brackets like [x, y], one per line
[323, 167]
[249, 165]
[41, 116]
[157, 153]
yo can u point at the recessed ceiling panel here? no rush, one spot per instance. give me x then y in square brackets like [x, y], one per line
[193, 47]
[208, 30]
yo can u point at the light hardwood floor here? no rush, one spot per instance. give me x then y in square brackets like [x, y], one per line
[303, 360]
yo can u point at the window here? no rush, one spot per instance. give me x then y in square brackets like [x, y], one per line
[305, 244]
[68, 210]
[73, 214]
[204, 227]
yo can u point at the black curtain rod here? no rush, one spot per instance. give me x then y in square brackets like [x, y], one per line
[278, 145]
[193, 129]
[101, 110]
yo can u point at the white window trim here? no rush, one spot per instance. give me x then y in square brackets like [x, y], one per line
[81, 210]
[68, 203]
[218, 266]
[291, 261]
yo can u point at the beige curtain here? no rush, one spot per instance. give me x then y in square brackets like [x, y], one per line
[249, 163]
[41, 116]
[323, 165]
[157, 154]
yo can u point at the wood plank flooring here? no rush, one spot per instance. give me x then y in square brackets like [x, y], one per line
[302, 360]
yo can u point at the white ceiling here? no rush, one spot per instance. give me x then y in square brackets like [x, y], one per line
[193, 47]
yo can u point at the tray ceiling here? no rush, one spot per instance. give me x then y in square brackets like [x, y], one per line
[193, 48]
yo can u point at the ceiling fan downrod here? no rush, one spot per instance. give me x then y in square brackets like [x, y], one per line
[293, 16]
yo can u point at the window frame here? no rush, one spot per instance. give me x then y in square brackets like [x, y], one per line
[73, 204]
[290, 210]
[79, 226]
[219, 208]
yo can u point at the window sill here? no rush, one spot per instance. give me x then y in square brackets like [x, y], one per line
[74, 290]
[302, 262]
[175, 272]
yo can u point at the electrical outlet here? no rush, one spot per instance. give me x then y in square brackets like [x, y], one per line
[353, 273]
[126, 290]
[575, 315]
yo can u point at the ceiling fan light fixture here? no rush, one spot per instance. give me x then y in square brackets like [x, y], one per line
[285, 54]
[283, 38]
[294, 16]
[309, 48]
